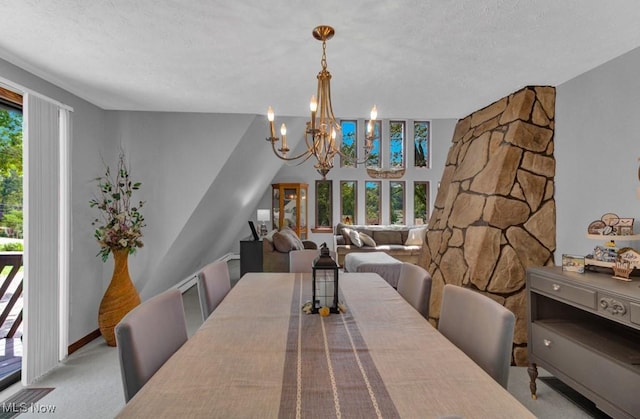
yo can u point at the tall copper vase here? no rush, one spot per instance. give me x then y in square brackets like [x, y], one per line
[120, 297]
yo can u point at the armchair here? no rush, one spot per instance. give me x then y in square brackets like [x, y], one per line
[276, 247]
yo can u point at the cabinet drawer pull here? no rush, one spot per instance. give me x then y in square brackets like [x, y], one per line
[556, 287]
[546, 342]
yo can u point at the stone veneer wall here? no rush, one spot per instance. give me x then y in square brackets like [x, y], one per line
[495, 213]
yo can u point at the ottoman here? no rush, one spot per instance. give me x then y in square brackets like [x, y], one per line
[378, 262]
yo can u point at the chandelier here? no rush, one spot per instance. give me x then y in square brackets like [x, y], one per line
[323, 133]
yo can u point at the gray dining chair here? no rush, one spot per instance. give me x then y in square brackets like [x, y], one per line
[414, 285]
[481, 327]
[147, 336]
[214, 283]
[302, 260]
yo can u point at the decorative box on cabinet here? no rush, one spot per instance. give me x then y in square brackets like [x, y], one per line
[289, 207]
[250, 256]
[585, 330]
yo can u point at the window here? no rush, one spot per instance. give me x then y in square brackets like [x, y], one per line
[348, 201]
[374, 156]
[324, 204]
[396, 144]
[349, 143]
[421, 202]
[396, 200]
[421, 144]
[372, 201]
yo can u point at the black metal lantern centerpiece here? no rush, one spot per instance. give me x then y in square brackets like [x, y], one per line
[325, 282]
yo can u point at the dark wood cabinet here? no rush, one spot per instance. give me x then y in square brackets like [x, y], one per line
[585, 330]
[289, 207]
[250, 256]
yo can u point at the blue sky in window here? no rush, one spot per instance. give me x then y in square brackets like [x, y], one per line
[348, 132]
[396, 144]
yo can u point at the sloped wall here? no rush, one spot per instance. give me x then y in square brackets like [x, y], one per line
[494, 214]
[197, 184]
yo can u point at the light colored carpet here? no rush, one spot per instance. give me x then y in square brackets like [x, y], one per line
[88, 383]
[550, 404]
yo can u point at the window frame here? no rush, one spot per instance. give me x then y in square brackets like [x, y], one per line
[403, 142]
[329, 205]
[377, 138]
[392, 211]
[354, 219]
[343, 161]
[378, 204]
[427, 200]
[11, 99]
[427, 159]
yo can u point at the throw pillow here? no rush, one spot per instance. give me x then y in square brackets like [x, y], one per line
[270, 234]
[283, 242]
[367, 240]
[416, 236]
[297, 243]
[345, 235]
[388, 237]
[354, 236]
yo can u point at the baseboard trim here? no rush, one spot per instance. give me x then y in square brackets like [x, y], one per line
[189, 282]
[182, 286]
[83, 341]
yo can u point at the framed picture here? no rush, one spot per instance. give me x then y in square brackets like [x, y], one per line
[624, 227]
[573, 263]
[596, 227]
[254, 233]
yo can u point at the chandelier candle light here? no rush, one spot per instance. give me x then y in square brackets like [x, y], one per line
[323, 132]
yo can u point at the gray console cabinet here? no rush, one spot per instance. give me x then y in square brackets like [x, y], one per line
[585, 330]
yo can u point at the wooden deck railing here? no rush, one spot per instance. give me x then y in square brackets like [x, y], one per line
[14, 261]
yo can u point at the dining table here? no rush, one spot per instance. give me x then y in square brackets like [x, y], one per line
[259, 355]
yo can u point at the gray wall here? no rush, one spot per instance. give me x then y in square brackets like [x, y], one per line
[202, 176]
[597, 150]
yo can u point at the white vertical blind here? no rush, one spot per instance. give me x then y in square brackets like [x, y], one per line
[64, 239]
[41, 232]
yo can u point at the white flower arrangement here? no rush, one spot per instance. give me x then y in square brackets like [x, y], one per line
[119, 226]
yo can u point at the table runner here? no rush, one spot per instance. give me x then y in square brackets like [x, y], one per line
[234, 365]
[328, 369]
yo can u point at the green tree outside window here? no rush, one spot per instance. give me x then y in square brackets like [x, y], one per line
[349, 143]
[324, 203]
[396, 143]
[421, 143]
[396, 192]
[421, 202]
[348, 201]
[374, 155]
[11, 172]
[372, 202]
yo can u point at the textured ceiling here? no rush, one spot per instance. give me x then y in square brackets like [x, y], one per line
[413, 58]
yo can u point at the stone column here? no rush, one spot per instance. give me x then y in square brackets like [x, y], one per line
[494, 214]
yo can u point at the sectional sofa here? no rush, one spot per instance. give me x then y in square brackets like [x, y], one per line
[401, 242]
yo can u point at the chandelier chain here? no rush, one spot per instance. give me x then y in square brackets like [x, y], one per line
[323, 61]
